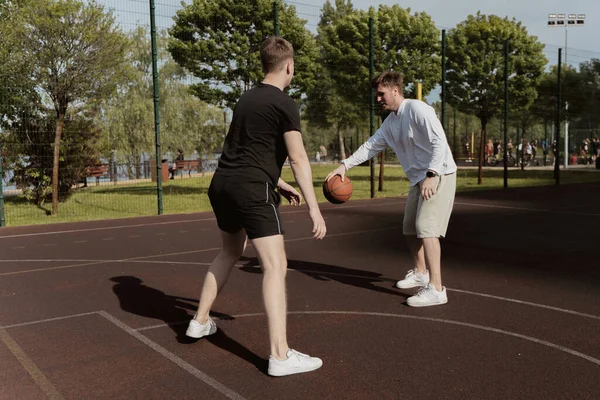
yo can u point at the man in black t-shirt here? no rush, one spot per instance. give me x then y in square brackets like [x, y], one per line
[264, 132]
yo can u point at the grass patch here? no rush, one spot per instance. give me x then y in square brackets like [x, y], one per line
[190, 195]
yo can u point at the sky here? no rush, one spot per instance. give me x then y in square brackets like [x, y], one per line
[581, 41]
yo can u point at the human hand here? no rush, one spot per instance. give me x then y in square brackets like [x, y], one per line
[428, 188]
[319, 228]
[290, 193]
[341, 171]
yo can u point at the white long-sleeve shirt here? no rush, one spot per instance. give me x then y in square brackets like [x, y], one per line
[416, 136]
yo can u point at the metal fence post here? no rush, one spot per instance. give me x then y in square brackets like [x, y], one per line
[156, 107]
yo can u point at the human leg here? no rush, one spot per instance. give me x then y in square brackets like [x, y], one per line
[433, 257]
[283, 360]
[233, 245]
[271, 254]
[417, 252]
[418, 275]
[432, 220]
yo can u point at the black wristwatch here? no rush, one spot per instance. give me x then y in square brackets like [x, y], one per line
[431, 174]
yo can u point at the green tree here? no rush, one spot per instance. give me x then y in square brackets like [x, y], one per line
[187, 123]
[403, 42]
[590, 71]
[475, 68]
[30, 157]
[79, 53]
[17, 88]
[326, 107]
[218, 42]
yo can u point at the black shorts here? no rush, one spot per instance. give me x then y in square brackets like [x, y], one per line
[240, 202]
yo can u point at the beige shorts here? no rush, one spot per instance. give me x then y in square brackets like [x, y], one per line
[429, 218]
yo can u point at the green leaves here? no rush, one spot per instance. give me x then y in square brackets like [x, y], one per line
[187, 123]
[218, 42]
[475, 66]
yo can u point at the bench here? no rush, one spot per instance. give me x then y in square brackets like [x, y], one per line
[98, 171]
[187, 165]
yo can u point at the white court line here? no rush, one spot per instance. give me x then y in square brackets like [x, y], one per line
[175, 359]
[34, 372]
[174, 254]
[184, 221]
[440, 320]
[106, 228]
[526, 209]
[144, 339]
[320, 272]
[47, 387]
[42, 321]
[528, 303]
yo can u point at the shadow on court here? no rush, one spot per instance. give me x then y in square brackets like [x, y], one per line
[137, 298]
[325, 272]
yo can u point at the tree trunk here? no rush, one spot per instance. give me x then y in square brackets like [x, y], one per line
[60, 122]
[381, 166]
[523, 150]
[481, 153]
[341, 140]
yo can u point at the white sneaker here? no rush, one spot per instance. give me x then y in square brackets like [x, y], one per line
[413, 279]
[428, 296]
[296, 363]
[197, 330]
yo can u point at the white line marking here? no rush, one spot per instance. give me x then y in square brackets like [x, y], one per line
[526, 209]
[378, 278]
[160, 234]
[580, 314]
[19, 247]
[185, 221]
[41, 321]
[111, 261]
[80, 241]
[360, 313]
[175, 359]
[178, 253]
[106, 228]
[135, 236]
[50, 244]
[445, 321]
[38, 377]
[107, 239]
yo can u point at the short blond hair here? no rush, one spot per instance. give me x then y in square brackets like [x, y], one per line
[274, 52]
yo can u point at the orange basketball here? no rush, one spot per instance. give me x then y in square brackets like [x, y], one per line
[336, 191]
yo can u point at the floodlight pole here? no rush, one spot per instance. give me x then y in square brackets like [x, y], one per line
[565, 20]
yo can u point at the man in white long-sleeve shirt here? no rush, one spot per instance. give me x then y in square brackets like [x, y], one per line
[416, 135]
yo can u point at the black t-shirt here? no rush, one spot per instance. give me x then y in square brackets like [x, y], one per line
[254, 145]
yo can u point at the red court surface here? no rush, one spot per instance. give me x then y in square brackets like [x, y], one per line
[98, 310]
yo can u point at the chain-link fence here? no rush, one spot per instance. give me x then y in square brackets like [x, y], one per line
[87, 102]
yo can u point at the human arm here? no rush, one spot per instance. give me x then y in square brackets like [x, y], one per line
[303, 176]
[289, 192]
[375, 145]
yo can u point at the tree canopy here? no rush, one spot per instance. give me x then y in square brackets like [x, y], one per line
[218, 42]
[76, 56]
[475, 66]
[187, 123]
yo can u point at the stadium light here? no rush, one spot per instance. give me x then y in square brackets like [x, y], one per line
[566, 20]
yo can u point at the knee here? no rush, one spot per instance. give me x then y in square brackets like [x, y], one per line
[275, 267]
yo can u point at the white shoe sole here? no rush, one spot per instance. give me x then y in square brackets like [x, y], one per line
[400, 285]
[292, 371]
[427, 304]
[193, 333]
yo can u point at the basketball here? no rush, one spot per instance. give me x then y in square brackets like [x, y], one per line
[336, 191]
